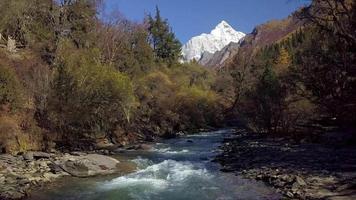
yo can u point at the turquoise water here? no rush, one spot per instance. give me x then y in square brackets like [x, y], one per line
[176, 169]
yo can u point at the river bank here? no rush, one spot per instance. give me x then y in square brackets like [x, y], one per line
[175, 169]
[24, 173]
[21, 174]
[296, 170]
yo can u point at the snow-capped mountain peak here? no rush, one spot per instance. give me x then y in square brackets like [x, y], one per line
[222, 27]
[222, 35]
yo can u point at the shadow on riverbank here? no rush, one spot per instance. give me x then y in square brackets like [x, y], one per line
[303, 171]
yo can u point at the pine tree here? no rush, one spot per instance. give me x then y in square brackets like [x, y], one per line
[166, 46]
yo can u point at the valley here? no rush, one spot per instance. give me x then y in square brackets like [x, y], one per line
[100, 99]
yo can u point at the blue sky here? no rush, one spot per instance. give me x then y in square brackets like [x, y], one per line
[192, 17]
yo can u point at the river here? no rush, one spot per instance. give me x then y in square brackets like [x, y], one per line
[175, 169]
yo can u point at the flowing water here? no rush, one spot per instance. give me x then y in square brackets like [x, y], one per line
[176, 169]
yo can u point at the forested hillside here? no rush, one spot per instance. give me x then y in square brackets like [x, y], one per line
[297, 76]
[72, 76]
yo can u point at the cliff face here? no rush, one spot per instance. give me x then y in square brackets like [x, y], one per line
[218, 59]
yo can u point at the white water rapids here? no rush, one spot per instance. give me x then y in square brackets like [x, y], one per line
[176, 169]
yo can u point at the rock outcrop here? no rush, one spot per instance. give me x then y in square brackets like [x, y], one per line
[19, 174]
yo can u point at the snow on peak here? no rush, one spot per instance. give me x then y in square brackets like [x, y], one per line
[222, 35]
[223, 25]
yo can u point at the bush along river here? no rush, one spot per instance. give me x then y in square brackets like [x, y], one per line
[178, 168]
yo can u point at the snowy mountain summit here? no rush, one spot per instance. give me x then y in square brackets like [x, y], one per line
[222, 35]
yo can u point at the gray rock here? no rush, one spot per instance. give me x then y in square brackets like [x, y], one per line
[78, 153]
[14, 194]
[28, 156]
[10, 180]
[290, 195]
[23, 182]
[106, 152]
[35, 155]
[286, 178]
[90, 165]
[300, 181]
[39, 155]
[50, 176]
[295, 188]
[55, 168]
[279, 183]
[344, 187]
[2, 179]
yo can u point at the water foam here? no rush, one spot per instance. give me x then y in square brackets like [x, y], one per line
[170, 151]
[142, 163]
[160, 176]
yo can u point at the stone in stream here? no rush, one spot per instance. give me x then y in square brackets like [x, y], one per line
[89, 165]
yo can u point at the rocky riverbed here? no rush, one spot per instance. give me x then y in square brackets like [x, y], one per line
[19, 174]
[296, 170]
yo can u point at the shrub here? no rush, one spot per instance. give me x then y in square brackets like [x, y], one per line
[88, 97]
[197, 107]
[10, 88]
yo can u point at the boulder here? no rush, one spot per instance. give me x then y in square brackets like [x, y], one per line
[89, 165]
[300, 181]
[28, 156]
[31, 155]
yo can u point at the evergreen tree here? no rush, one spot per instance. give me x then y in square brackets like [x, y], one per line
[165, 45]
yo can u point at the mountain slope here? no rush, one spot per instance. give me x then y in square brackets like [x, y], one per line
[218, 59]
[263, 35]
[222, 35]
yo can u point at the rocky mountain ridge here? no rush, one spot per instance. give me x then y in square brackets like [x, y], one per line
[207, 44]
